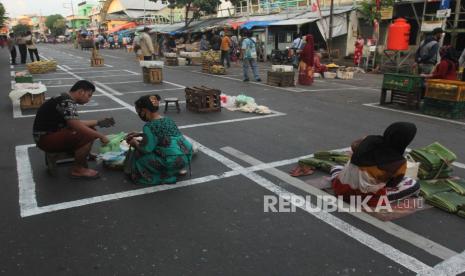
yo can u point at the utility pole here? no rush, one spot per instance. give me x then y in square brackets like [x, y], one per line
[144, 13]
[458, 5]
[330, 31]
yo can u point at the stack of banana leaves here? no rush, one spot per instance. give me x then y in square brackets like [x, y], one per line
[435, 161]
[446, 194]
[324, 160]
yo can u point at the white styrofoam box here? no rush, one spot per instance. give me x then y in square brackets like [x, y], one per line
[288, 68]
[345, 75]
[282, 68]
[170, 54]
[195, 54]
[151, 63]
[182, 61]
[330, 75]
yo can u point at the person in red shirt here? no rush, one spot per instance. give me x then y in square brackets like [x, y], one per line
[447, 68]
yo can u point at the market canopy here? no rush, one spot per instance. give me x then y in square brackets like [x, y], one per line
[251, 24]
[123, 27]
[299, 21]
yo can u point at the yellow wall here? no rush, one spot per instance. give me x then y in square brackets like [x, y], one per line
[115, 23]
[115, 6]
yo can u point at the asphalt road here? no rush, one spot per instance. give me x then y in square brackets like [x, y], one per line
[212, 223]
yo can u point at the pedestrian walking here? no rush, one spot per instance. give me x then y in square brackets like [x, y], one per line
[225, 48]
[358, 52]
[249, 56]
[21, 42]
[146, 44]
[306, 62]
[31, 47]
[296, 47]
[11, 42]
[426, 56]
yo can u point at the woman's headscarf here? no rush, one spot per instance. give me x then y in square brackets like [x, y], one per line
[377, 150]
[307, 52]
[449, 54]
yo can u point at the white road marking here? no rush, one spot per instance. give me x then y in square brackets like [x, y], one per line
[274, 114]
[132, 72]
[234, 79]
[153, 90]
[375, 105]
[85, 72]
[121, 82]
[174, 84]
[106, 55]
[335, 89]
[452, 266]
[108, 65]
[107, 88]
[54, 79]
[26, 184]
[421, 242]
[80, 111]
[459, 165]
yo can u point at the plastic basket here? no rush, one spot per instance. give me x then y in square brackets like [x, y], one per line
[402, 82]
[445, 90]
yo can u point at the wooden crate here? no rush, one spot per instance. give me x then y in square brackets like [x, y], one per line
[30, 101]
[206, 66]
[280, 78]
[171, 61]
[152, 75]
[203, 99]
[196, 61]
[96, 62]
[447, 90]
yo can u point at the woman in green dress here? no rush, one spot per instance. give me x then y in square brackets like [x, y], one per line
[160, 153]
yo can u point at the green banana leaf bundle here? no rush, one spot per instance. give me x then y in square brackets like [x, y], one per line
[447, 201]
[322, 165]
[461, 213]
[434, 161]
[433, 174]
[457, 185]
[336, 157]
[430, 188]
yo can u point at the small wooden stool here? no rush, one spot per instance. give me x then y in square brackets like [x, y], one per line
[52, 159]
[172, 100]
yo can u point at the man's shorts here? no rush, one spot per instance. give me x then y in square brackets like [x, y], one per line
[64, 140]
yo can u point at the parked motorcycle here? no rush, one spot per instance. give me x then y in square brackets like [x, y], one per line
[282, 57]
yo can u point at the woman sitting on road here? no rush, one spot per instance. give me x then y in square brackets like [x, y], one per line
[317, 66]
[377, 167]
[447, 68]
[161, 153]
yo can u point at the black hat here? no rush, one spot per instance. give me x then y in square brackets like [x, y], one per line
[438, 31]
[146, 29]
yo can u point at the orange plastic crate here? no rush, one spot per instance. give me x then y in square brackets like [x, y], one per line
[447, 90]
